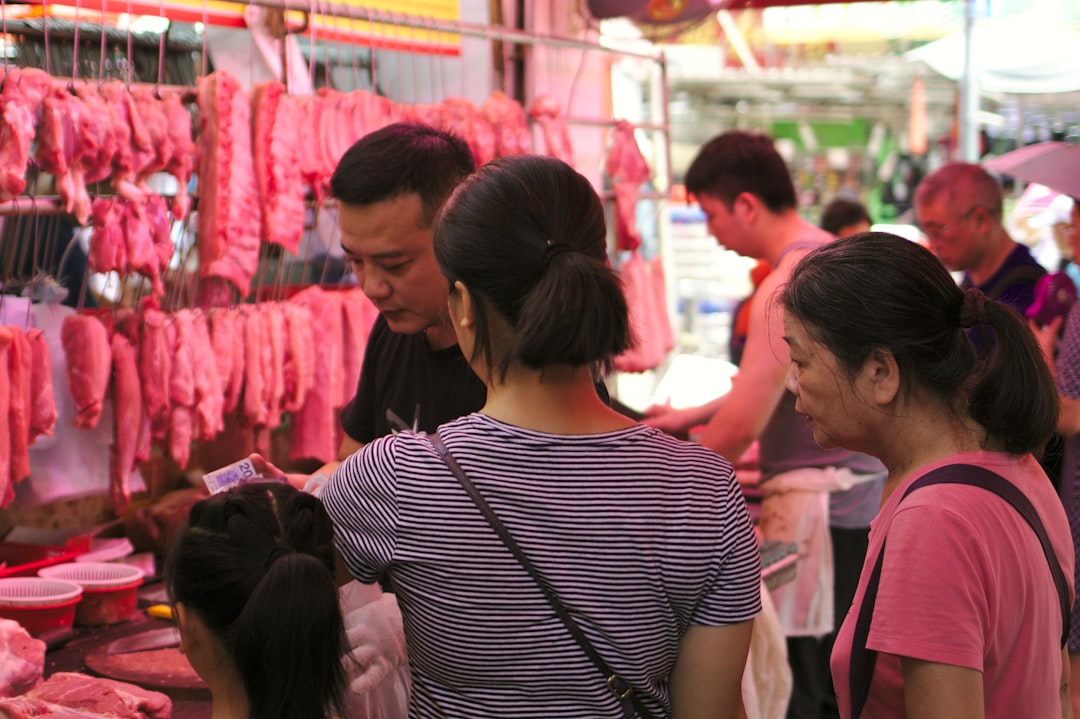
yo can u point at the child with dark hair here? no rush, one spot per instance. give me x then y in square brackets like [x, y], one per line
[251, 579]
[843, 217]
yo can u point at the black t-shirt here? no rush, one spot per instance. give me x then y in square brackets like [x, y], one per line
[423, 387]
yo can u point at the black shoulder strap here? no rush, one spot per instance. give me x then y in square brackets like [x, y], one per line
[861, 670]
[618, 686]
[1023, 273]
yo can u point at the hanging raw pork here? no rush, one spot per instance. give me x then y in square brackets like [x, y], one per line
[277, 125]
[127, 420]
[43, 408]
[20, 106]
[89, 363]
[229, 213]
[548, 113]
[627, 169]
[511, 125]
[646, 299]
[315, 424]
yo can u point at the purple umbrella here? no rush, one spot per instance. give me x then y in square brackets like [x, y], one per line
[1054, 164]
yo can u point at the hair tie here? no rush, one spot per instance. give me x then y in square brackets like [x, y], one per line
[276, 553]
[553, 249]
[973, 310]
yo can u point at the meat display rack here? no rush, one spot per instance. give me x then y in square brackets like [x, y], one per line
[67, 31]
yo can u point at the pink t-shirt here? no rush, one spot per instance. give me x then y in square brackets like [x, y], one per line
[965, 582]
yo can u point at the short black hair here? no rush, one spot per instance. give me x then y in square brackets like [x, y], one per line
[737, 162]
[399, 159]
[841, 213]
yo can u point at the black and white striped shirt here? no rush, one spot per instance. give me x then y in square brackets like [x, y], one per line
[639, 534]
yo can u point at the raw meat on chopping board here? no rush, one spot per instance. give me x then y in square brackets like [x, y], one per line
[103, 697]
[22, 659]
[89, 364]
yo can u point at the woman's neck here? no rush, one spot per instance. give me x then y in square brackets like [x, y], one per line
[228, 698]
[925, 435]
[562, 400]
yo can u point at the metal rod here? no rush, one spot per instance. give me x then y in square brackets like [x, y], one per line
[601, 122]
[451, 26]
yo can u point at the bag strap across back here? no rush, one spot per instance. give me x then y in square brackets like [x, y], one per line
[618, 686]
[863, 659]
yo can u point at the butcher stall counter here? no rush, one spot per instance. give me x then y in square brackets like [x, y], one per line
[163, 670]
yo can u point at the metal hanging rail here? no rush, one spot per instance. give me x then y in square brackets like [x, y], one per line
[488, 32]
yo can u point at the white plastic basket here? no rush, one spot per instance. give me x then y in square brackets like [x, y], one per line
[36, 591]
[94, 575]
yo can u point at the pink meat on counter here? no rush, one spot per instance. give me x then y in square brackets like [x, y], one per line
[19, 370]
[511, 125]
[127, 421]
[315, 424]
[299, 369]
[627, 169]
[209, 395]
[89, 363]
[229, 212]
[20, 106]
[547, 111]
[275, 145]
[103, 697]
[43, 403]
[7, 488]
[155, 365]
[181, 162]
[22, 659]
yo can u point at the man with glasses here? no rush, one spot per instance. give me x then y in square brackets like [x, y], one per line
[960, 210]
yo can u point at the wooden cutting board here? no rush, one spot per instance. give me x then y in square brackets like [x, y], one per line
[163, 670]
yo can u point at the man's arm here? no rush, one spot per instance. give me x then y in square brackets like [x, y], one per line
[757, 389]
[349, 446]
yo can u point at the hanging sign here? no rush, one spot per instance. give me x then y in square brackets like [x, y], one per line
[407, 25]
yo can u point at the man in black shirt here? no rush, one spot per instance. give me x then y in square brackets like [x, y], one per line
[389, 187]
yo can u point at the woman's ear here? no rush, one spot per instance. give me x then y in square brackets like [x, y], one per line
[883, 375]
[190, 627]
[461, 306]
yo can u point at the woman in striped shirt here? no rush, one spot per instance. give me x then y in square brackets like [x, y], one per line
[645, 539]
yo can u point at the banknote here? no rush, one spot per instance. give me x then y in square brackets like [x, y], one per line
[233, 474]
